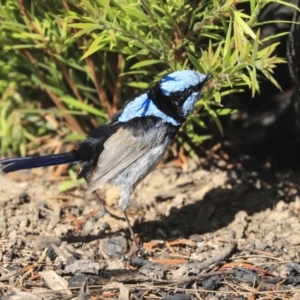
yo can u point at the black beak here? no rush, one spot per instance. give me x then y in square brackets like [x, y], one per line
[208, 76]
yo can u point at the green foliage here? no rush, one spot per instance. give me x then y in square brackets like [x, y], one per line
[72, 182]
[77, 61]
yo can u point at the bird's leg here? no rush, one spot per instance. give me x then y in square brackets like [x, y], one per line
[138, 249]
[123, 203]
[137, 245]
[104, 211]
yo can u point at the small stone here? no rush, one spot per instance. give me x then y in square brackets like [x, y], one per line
[283, 270]
[161, 233]
[221, 163]
[61, 229]
[183, 180]
[77, 280]
[296, 203]
[258, 184]
[175, 232]
[88, 227]
[115, 246]
[196, 238]
[190, 166]
[260, 245]
[200, 174]
[294, 239]
[24, 223]
[43, 242]
[239, 231]
[294, 266]
[12, 235]
[280, 206]
[84, 266]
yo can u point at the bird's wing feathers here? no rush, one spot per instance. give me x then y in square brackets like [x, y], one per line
[129, 149]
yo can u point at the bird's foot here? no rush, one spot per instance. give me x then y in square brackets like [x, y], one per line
[138, 252]
[104, 212]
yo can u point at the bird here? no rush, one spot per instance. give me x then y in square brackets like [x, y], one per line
[127, 148]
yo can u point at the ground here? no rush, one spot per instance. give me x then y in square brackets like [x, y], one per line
[209, 231]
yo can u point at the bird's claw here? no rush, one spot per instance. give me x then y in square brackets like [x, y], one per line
[137, 252]
[106, 212]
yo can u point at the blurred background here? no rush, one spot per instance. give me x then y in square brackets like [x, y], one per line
[68, 66]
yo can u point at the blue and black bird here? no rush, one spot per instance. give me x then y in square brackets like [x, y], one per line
[125, 150]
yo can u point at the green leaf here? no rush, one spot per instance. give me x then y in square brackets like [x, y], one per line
[66, 185]
[226, 111]
[82, 106]
[145, 63]
[86, 30]
[227, 46]
[195, 62]
[138, 84]
[286, 3]
[215, 118]
[134, 13]
[243, 24]
[95, 46]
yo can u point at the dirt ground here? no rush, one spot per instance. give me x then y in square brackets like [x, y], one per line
[209, 231]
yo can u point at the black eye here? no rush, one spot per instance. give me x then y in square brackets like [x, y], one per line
[178, 98]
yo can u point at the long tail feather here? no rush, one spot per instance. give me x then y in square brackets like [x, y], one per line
[29, 162]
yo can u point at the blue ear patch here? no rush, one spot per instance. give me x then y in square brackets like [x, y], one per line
[142, 106]
[189, 103]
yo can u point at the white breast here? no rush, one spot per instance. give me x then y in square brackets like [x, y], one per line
[132, 175]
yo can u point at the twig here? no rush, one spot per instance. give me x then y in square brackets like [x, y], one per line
[214, 259]
[200, 276]
[117, 86]
[69, 118]
[100, 90]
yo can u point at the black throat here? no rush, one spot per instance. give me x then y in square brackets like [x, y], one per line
[165, 103]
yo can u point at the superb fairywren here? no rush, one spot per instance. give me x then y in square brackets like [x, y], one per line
[129, 147]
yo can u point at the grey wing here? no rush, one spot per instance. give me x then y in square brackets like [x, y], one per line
[120, 151]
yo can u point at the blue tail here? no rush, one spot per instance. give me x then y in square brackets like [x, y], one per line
[29, 162]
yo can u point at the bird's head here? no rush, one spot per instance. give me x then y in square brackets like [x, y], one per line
[177, 93]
